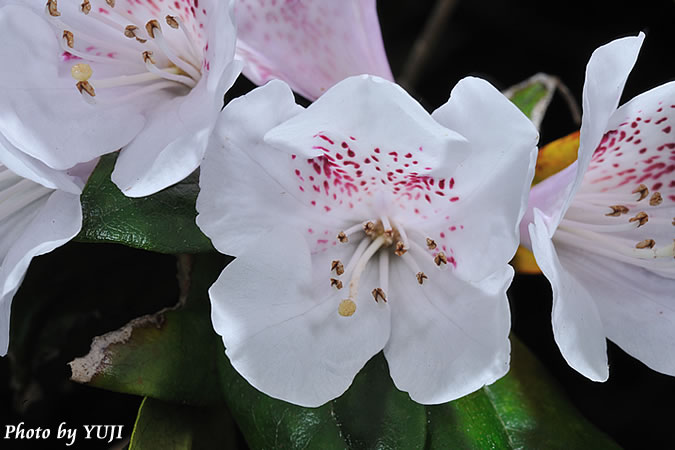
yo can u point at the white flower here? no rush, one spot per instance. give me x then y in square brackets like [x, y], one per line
[311, 45]
[363, 224]
[39, 211]
[603, 228]
[85, 78]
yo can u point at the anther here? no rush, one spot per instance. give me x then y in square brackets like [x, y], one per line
[110, 3]
[52, 8]
[421, 276]
[81, 72]
[342, 237]
[378, 294]
[641, 217]
[642, 190]
[400, 249]
[647, 243]
[656, 199]
[151, 26]
[172, 22]
[337, 267]
[674, 221]
[86, 87]
[369, 228]
[346, 308]
[617, 210]
[147, 57]
[69, 38]
[431, 244]
[85, 7]
[334, 282]
[440, 259]
[130, 31]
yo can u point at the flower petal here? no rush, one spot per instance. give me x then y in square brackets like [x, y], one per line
[310, 45]
[57, 222]
[279, 320]
[448, 337]
[42, 113]
[496, 175]
[577, 327]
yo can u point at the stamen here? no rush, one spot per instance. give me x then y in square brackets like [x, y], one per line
[617, 210]
[647, 243]
[642, 191]
[131, 31]
[656, 199]
[81, 72]
[347, 308]
[431, 244]
[337, 267]
[402, 233]
[52, 8]
[602, 228]
[155, 32]
[361, 265]
[400, 249]
[84, 86]
[387, 226]
[421, 277]
[151, 27]
[334, 282]
[110, 3]
[384, 270]
[342, 237]
[149, 64]
[440, 259]
[611, 249]
[354, 229]
[147, 57]
[69, 38]
[412, 264]
[378, 294]
[369, 228]
[641, 217]
[172, 22]
[356, 255]
[85, 7]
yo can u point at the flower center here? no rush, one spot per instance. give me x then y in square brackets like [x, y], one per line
[17, 192]
[613, 230]
[384, 237]
[148, 60]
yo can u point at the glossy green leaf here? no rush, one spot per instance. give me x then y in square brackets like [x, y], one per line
[163, 222]
[167, 355]
[161, 425]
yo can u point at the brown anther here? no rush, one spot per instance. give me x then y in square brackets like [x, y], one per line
[172, 22]
[647, 243]
[85, 86]
[85, 7]
[642, 190]
[378, 294]
[342, 237]
[337, 267]
[151, 26]
[400, 249]
[369, 228]
[617, 210]
[334, 282]
[142, 41]
[674, 221]
[147, 57]
[440, 259]
[431, 244]
[110, 3]
[70, 39]
[130, 31]
[52, 8]
[642, 217]
[656, 199]
[421, 276]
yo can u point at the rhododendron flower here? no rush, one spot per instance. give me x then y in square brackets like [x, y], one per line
[364, 224]
[85, 78]
[603, 228]
[39, 211]
[312, 44]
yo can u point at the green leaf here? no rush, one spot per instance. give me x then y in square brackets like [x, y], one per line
[163, 222]
[167, 355]
[177, 427]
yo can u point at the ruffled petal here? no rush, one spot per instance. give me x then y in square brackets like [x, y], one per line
[448, 337]
[310, 45]
[496, 175]
[577, 327]
[41, 111]
[57, 222]
[279, 320]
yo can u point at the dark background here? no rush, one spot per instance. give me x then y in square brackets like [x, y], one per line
[81, 291]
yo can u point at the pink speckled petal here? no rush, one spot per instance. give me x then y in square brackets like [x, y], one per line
[448, 337]
[311, 44]
[278, 317]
